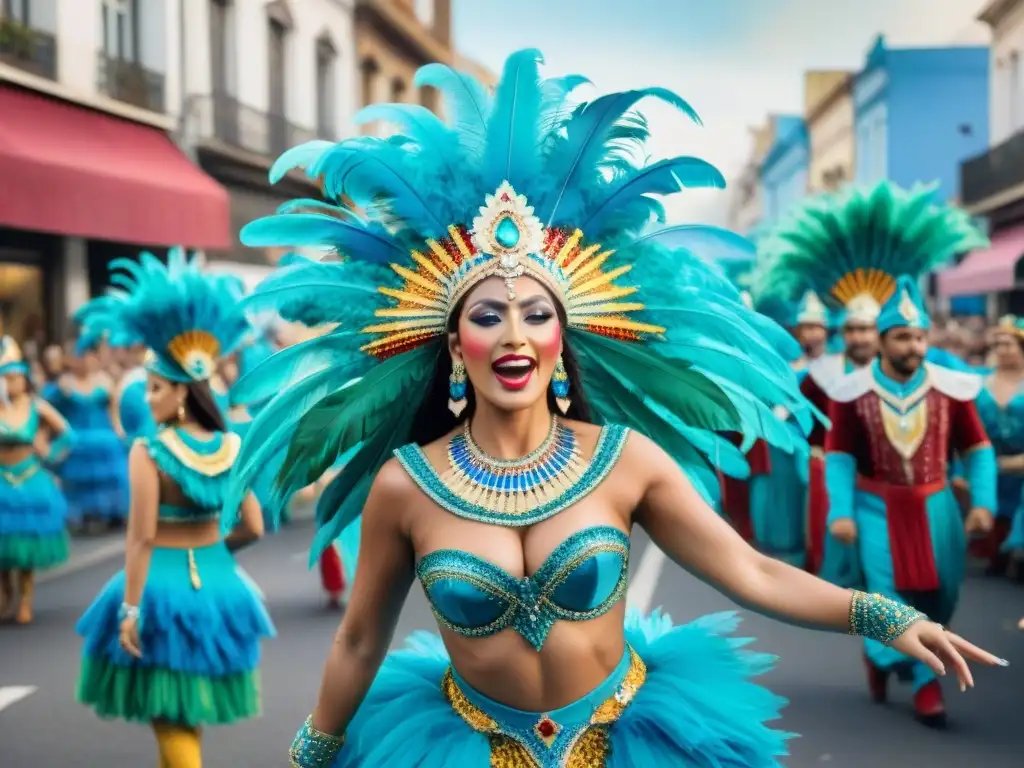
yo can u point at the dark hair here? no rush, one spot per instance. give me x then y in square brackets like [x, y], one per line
[201, 406]
[433, 420]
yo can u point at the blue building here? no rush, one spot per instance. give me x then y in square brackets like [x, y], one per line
[784, 169]
[920, 112]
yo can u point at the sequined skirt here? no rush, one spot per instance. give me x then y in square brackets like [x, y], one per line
[680, 696]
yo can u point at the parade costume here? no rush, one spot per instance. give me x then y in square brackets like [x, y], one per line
[849, 247]
[200, 620]
[888, 470]
[778, 495]
[103, 317]
[33, 511]
[521, 183]
[94, 476]
[1004, 425]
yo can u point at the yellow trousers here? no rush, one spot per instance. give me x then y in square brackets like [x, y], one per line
[179, 747]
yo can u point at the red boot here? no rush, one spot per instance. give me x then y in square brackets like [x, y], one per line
[929, 706]
[878, 682]
[332, 576]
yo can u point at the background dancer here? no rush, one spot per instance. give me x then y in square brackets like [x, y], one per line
[33, 511]
[894, 426]
[173, 639]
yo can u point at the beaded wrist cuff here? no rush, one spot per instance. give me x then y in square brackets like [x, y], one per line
[127, 611]
[878, 618]
[313, 748]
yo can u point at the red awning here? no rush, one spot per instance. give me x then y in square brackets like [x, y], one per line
[74, 171]
[991, 269]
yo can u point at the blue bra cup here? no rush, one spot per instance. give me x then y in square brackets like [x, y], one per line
[581, 579]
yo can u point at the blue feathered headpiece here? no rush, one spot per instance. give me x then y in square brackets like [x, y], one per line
[905, 308]
[526, 181]
[187, 319]
[11, 358]
[851, 247]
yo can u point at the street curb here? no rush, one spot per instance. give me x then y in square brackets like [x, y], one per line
[76, 564]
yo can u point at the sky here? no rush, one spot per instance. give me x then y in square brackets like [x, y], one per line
[734, 61]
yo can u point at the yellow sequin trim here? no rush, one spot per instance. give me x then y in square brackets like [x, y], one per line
[592, 746]
[210, 465]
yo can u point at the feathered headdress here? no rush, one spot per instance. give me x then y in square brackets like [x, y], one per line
[187, 319]
[11, 358]
[851, 247]
[522, 183]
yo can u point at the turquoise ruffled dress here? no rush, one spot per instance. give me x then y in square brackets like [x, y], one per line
[202, 619]
[33, 511]
[94, 476]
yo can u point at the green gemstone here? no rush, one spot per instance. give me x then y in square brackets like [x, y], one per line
[507, 233]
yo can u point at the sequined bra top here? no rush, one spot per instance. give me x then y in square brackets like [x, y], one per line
[23, 435]
[199, 467]
[583, 578]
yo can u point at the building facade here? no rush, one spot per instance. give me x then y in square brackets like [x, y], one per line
[992, 182]
[784, 170]
[747, 203]
[828, 109]
[918, 113]
[90, 167]
[261, 77]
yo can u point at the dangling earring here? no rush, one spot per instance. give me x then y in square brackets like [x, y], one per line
[181, 413]
[560, 386]
[457, 389]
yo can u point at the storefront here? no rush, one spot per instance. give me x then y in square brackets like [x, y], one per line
[81, 187]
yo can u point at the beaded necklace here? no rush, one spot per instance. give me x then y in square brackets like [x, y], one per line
[513, 486]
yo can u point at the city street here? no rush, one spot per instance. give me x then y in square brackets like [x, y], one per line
[41, 725]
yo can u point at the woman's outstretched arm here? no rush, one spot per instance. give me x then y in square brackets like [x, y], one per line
[688, 530]
[383, 577]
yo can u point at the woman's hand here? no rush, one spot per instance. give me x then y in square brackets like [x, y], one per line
[939, 648]
[129, 637]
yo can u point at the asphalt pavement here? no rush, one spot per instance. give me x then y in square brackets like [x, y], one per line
[821, 674]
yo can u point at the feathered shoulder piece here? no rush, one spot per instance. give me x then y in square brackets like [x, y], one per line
[187, 319]
[524, 182]
[851, 247]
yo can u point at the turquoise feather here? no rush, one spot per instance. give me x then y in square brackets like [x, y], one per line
[884, 228]
[718, 369]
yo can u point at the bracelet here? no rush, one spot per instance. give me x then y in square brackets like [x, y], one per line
[876, 617]
[128, 611]
[313, 748]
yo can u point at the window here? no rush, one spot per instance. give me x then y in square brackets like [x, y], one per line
[368, 73]
[278, 37]
[325, 65]
[19, 11]
[398, 90]
[220, 45]
[121, 29]
[1016, 91]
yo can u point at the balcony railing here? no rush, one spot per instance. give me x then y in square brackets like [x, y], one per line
[999, 169]
[29, 49]
[130, 82]
[226, 119]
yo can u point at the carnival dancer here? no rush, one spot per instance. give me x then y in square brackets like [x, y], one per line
[1001, 408]
[778, 494]
[507, 333]
[849, 248]
[173, 640]
[33, 511]
[894, 426]
[94, 476]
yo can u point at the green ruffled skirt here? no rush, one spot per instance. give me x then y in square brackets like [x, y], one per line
[200, 646]
[33, 552]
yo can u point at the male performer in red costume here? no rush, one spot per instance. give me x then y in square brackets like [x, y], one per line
[894, 426]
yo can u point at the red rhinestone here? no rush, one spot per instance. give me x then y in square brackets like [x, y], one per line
[546, 728]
